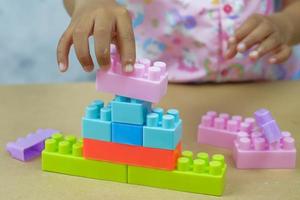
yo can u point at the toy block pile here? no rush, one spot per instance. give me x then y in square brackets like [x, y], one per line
[130, 141]
[256, 142]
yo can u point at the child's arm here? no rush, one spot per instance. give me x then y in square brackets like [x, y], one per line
[273, 34]
[108, 22]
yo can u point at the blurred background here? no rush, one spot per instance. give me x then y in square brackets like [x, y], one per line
[29, 32]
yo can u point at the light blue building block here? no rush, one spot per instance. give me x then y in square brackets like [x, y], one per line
[127, 134]
[129, 111]
[162, 131]
[97, 122]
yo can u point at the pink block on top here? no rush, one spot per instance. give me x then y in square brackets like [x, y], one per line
[148, 82]
[252, 151]
[221, 129]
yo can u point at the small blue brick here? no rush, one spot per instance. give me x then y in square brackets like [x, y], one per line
[129, 111]
[97, 122]
[127, 134]
[162, 131]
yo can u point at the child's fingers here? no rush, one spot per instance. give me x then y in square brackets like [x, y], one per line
[63, 49]
[231, 49]
[81, 35]
[126, 41]
[247, 27]
[102, 36]
[269, 44]
[281, 54]
[257, 35]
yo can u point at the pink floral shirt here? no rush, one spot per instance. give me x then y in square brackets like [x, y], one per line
[191, 37]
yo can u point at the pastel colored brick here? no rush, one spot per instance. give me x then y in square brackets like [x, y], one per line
[147, 82]
[220, 130]
[268, 125]
[31, 146]
[97, 122]
[198, 176]
[131, 155]
[130, 111]
[252, 151]
[127, 134]
[64, 155]
[162, 131]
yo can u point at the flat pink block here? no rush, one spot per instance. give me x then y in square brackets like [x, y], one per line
[254, 152]
[147, 82]
[221, 129]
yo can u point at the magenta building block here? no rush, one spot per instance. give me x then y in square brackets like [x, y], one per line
[268, 125]
[220, 130]
[147, 82]
[252, 151]
[31, 146]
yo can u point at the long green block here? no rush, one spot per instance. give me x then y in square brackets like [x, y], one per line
[197, 176]
[64, 155]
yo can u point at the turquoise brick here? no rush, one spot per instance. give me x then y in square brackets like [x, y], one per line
[97, 122]
[129, 111]
[127, 134]
[162, 131]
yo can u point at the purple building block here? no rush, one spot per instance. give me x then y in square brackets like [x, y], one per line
[268, 125]
[31, 146]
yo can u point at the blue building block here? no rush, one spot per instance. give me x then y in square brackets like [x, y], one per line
[162, 131]
[127, 134]
[97, 122]
[129, 111]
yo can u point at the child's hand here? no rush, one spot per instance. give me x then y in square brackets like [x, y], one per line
[269, 33]
[108, 22]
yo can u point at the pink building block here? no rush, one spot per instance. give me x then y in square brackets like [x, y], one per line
[252, 151]
[221, 129]
[148, 82]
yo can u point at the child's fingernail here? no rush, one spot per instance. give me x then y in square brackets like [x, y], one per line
[253, 54]
[128, 68]
[62, 67]
[272, 60]
[241, 47]
[232, 40]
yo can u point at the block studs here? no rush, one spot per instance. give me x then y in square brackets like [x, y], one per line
[215, 168]
[64, 147]
[92, 112]
[152, 120]
[154, 73]
[199, 166]
[168, 121]
[105, 114]
[50, 145]
[183, 164]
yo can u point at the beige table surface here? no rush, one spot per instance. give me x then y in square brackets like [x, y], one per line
[28, 107]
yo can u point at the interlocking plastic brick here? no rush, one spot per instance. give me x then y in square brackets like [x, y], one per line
[64, 155]
[162, 131]
[253, 151]
[197, 176]
[268, 125]
[127, 134]
[147, 82]
[130, 111]
[97, 122]
[31, 146]
[221, 130]
[131, 155]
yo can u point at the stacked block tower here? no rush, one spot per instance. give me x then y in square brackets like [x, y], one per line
[128, 140]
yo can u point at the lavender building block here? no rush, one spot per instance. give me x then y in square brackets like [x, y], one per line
[268, 125]
[31, 146]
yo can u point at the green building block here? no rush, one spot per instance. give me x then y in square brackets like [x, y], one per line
[198, 176]
[64, 155]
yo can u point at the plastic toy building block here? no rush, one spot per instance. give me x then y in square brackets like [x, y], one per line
[130, 111]
[97, 122]
[127, 134]
[221, 130]
[64, 155]
[253, 151]
[147, 82]
[131, 155]
[162, 131]
[197, 176]
[31, 146]
[268, 125]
